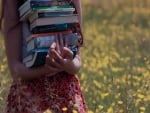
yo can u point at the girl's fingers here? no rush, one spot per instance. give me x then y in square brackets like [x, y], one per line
[56, 64]
[57, 57]
[53, 45]
[53, 62]
[58, 45]
[67, 53]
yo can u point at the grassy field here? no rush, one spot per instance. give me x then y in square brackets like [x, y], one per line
[115, 74]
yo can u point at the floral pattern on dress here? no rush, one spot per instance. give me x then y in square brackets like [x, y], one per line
[60, 93]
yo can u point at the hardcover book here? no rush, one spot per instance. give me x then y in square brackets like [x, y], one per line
[41, 42]
[71, 41]
[29, 4]
[44, 5]
[54, 20]
[32, 36]
[51, 28]
[50, 12]
[36, 58]
[47, 11]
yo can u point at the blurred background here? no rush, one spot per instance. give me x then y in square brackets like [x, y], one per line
[115, 75]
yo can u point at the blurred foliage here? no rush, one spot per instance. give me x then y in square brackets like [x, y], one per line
[115, 75]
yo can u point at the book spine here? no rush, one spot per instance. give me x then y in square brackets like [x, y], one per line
[27, 58]
[40, 43]
[38, 59]
[54, 20]
[71, 41]
[49, 14]
[25, 15]
[49, 3]
[51, 28]
[33, 5]
[38, 50]
[43, 14]
[43, 3]
[32, 16]
[43, 35]
[24, 8]
[54, 7]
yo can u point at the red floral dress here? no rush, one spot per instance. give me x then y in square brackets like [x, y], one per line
[59, 94]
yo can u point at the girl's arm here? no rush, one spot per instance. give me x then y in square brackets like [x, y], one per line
[77, 4]
[13, 44]
[78, 7]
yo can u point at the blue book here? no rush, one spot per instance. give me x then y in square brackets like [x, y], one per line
[71, 41]
[40, 42]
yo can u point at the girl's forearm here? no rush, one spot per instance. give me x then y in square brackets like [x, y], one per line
[73, 66]
[13, 52]
[20, 71]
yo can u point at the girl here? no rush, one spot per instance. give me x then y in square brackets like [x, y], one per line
[35, 90]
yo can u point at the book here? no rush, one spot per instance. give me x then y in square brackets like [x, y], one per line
[51, 28]
[35, 58]
[32, 36]
[40, 42]
[47, 34]
[29, 4]
[47, 11]
[33, 5]
[50, 13]
[54, 20]
[71, 41]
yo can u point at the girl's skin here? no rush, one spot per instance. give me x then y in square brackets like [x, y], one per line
[54, 63]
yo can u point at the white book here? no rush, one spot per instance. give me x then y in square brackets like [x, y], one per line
[49, 13]
[31, 12]
[54, 20]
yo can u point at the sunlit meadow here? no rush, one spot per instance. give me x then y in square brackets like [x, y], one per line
[115, 75]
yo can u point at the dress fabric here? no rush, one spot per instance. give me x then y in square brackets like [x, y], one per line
[60, 93]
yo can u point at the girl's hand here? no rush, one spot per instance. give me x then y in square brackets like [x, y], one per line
[66, 63]
[52, 66]
[67, 53]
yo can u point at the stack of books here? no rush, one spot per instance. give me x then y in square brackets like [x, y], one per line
[49, 20]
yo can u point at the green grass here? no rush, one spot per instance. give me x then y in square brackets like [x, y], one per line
[116, 57]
